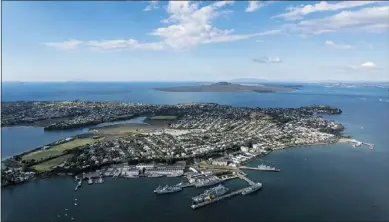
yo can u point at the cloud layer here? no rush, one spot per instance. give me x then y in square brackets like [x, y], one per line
[338, 46]
[371, 20]
[254, 5]
[188, 25]
[268, 60]
[295, 13]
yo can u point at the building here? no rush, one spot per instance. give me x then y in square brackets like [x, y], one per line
[220, 162]
[257, 146]
[145, 166]
[244, 149]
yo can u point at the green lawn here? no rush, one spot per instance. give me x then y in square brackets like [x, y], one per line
[48, 165]
[58, 150]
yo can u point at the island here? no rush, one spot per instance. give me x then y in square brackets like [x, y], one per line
[228, 87]
[170, 133]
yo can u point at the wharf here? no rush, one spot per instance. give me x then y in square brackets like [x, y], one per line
[256, 168]
[187, 185]
[229, 178]
[195, 206]
[243, 177]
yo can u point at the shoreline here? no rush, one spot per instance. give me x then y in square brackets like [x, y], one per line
[50, 174]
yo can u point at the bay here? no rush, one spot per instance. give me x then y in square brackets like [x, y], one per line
[327, 183]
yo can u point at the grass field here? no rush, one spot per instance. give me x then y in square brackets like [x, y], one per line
[124, 129]
[58, 149]
[48, 165]
[163, 117]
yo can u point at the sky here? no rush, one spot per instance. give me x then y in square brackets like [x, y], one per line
[195, 41]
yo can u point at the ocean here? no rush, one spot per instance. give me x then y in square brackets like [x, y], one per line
[317, 183]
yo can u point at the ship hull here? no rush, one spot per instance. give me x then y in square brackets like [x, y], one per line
[167, 192]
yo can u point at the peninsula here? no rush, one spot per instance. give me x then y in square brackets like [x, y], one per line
[189, 131]
[228, 87]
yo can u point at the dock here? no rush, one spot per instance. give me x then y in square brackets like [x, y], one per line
[187, 185]
[195, 206]
[243, 177]
[256, 168]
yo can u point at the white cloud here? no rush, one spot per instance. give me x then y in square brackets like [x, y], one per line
[268, 60]
[295, 13]
[152, 5]
[254, 5]
[338, 46]
[365, 65]
[188, 25]
[66, 45]
[373, 20]
[368, 65]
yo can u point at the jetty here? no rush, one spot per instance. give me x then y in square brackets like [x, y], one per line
[257, 168]
[202, 204]
[243, 177]
[355, 143]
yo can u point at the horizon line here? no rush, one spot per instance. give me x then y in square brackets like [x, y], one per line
[167, 81]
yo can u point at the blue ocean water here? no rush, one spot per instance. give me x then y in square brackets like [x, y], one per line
[327, 183]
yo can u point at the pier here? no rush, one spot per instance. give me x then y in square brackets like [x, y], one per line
[195, 206]
[256, 168]
[243, 177]
[187, 185]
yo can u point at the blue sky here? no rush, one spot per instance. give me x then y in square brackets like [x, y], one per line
[181, 41]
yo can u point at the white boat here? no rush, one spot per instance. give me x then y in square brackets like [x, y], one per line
[155, 175]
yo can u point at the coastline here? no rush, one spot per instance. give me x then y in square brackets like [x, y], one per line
[256, 157]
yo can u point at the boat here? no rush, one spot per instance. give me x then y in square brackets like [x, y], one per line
[155, 175]
[78, 185]
[208, 182]
[179, 184]
[267, 168]
[131, 176]
[175, 175]
[168, 189]
[100, 180]
[210, 194]
[252, 189]
[158, 189]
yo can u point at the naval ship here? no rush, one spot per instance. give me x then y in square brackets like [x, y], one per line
[267, 168]
[167, 189]
[208, 182]
[210, 194]
[252, 188]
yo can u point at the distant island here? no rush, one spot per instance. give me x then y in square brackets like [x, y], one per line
[247, 80]
[228, 87]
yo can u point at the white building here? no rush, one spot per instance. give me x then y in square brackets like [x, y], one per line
[145, 166]
[257, 146]
[244, 149]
